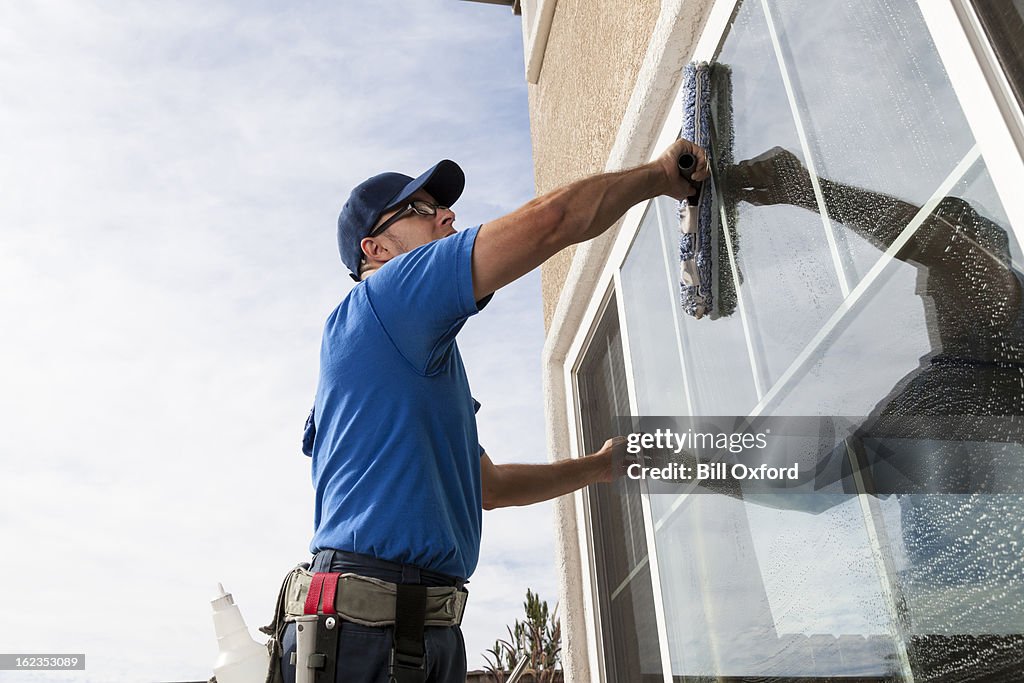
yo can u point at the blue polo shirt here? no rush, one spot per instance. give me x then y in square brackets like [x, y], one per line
[396, 459]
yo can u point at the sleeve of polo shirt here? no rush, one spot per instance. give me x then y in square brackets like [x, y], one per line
[422, 298]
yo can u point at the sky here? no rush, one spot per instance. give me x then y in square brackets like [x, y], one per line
[170, 179]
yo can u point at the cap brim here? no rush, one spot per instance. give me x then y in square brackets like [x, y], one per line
[444, 181]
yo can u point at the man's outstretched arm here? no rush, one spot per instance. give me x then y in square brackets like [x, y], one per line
[511, 246]
[507, 485]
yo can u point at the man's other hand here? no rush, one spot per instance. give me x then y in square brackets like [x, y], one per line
[614, 459]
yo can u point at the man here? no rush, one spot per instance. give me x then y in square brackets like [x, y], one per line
[399, 474]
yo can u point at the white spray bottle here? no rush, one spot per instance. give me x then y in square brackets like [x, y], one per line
[241, 659]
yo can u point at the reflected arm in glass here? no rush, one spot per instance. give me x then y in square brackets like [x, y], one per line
[964, 257]
[777, 176]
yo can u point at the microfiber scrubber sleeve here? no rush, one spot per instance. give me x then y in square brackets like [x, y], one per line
[696, 261]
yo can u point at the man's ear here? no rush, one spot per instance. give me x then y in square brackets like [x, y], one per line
[374, 250]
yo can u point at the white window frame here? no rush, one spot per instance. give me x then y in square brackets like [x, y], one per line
[592, 615]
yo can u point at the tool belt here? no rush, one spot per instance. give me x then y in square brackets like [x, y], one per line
[368, 601]
[316, 602]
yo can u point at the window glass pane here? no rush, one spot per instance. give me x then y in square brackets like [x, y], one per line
[624, 592]
[789, 282]
[941, 329]
[928, 585]
[651, 303]
[877, 106]
[883, 339]
[744, 599]
[942, 334]
[959, 577]
[714, 351]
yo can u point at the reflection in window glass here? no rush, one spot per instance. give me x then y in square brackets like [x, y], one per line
[955, 295]
[838, 380]
[976, 189]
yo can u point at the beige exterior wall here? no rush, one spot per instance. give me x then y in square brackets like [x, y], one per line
[591, 61]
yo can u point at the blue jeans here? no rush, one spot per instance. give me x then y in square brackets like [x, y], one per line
[364, 651]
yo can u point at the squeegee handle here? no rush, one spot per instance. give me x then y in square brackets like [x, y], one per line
[687, 163]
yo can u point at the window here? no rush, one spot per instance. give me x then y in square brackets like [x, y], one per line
[748, 589]
[877, 275]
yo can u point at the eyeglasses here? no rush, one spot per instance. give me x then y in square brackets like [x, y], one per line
[419, 206]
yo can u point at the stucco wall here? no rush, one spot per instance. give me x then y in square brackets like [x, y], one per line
[594, 52]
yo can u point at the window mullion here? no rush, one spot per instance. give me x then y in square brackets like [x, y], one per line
[830, 236]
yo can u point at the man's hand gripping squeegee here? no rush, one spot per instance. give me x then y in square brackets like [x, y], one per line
[687, 165]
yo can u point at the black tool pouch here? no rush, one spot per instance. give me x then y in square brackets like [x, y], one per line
[316, 647]
[328, 629]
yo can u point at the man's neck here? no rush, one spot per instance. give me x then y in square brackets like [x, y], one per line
[368, 271]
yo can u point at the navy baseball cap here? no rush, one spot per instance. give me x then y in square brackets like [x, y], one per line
[384, 192]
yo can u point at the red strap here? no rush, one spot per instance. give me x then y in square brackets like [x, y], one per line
[324, 583]
[313, 597]
[330, 589]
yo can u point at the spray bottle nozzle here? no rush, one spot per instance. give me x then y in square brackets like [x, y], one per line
[223, 599]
